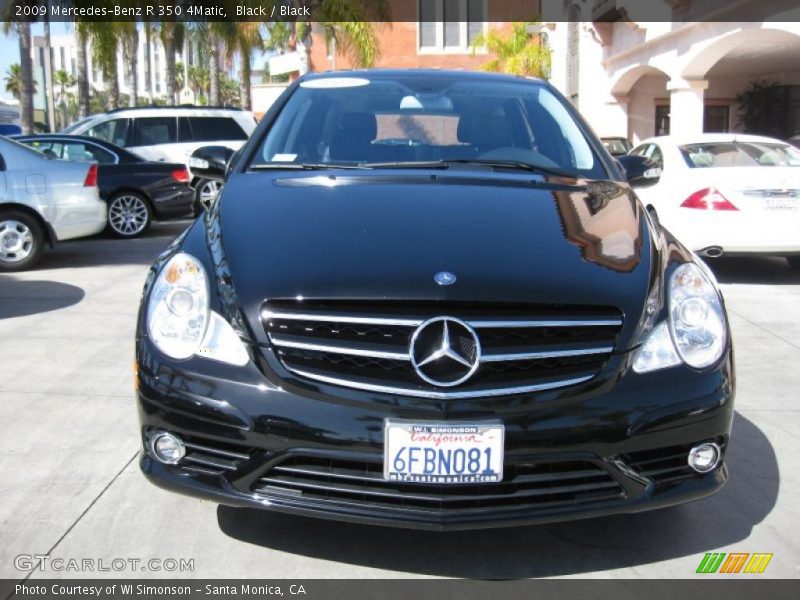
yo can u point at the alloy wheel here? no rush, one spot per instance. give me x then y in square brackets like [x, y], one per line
[208, 192]
[128, 215]
[16, 241]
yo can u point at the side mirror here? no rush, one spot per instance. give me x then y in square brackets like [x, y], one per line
[210, 162]
[640, 171]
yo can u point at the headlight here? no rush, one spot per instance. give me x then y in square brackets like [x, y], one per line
[179, 320]
[697, 320]
[658, 351]
[177, 313]
[695, 331]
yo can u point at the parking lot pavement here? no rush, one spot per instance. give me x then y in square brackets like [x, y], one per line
[71, 486]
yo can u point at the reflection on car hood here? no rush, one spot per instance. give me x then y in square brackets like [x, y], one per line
[384, 235]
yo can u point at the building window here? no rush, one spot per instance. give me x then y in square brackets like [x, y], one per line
[716, 119]
[662, 119]
[450, 26]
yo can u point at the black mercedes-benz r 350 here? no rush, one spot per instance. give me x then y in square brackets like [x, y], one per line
[431, 299]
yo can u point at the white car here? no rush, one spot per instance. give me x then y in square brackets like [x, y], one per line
[171, 134]
[43, 200]
[727, 193]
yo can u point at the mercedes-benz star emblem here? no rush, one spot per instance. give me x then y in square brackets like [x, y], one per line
[445, 351]
[444, 278]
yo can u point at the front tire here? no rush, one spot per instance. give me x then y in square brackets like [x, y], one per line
[129, 215]
[794, 262]
[22, 240]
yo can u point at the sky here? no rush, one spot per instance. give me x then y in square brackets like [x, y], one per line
[9, 50]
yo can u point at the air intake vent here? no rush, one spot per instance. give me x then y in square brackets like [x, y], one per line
[534, 485]
[213, 458]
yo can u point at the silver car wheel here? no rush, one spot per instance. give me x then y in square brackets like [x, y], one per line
[16, 241]
[208, 192]
[128, 215]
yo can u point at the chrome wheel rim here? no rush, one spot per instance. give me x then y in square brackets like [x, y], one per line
[16, 241]
[127, 215]
[208, 192]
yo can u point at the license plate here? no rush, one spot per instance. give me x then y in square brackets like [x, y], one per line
[443, 453]
[782, 203]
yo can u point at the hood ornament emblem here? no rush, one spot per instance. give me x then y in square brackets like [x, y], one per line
[444, 278]
[445, 351]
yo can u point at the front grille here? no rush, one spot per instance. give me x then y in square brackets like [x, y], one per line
[665, 465]
[366, 345]
[360, 483]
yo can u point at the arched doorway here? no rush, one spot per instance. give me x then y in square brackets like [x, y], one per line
[643, 91]
[732, 63]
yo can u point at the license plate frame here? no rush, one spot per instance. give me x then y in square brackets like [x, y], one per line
[443, 436]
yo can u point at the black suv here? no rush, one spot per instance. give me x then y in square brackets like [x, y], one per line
[431, 299]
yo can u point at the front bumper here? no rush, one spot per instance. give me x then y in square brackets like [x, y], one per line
[614, 445]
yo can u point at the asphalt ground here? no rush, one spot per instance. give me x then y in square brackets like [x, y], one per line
[71, 487]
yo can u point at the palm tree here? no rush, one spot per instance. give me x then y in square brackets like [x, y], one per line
[130, 47]
[172, 34]
[14, 80]
[222, 34]
[48, 72]
[247, 37]
[63, 81]
[198, 81]
[279, 34]
[105, 40]
[518, 53]
[357, 40]
[81, 37]
[350, 25]
[26, 89]
[148, 59]
[228, 91]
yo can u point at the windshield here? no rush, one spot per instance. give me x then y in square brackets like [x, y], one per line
[419, 119]
[77, 124]
[740, 154]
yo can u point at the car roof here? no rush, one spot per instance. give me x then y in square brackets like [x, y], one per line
[142, 111]
[708, 138]
[121, 152]
[421, 73]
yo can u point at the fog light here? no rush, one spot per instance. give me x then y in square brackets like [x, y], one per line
[167, 448]
[705, 457]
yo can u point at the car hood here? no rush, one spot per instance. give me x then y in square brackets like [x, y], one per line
[384, 235]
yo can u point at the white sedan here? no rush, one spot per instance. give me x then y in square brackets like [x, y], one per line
[42, 201]
[727, 193]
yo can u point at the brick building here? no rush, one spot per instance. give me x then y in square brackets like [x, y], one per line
[429, 33]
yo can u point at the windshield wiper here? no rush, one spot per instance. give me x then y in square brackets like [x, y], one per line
[407, 164]
[486, 162]
[514, 164]
[287, 166]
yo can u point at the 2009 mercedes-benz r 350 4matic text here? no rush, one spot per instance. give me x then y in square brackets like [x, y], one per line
[430, 299]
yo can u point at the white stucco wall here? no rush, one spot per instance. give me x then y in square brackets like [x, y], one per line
[626, 68]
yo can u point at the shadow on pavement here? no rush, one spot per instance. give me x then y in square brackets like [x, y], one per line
[104, 249]
[19, 298]
[556, 549]
[753, 269]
